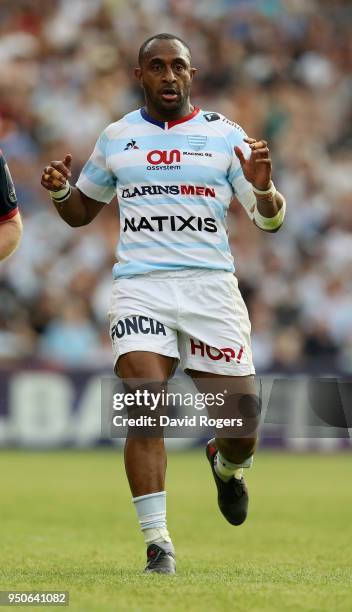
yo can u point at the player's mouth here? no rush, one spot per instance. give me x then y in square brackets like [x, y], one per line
[170, 95]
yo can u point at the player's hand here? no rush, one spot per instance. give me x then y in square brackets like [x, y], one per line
[256, 169]
[56, 174]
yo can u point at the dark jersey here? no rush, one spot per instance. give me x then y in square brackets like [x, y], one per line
[8, 199]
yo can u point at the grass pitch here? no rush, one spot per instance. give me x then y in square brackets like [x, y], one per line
[67, 523]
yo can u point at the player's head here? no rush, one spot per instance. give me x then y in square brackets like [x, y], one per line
[165, 73]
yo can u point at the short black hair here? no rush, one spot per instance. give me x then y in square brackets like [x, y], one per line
[163, 36]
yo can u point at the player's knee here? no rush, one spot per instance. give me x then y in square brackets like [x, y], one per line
[249, 407]
[245, 406]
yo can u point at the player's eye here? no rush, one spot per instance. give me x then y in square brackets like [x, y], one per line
[179, 67]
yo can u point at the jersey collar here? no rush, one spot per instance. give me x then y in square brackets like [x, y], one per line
[166, 125]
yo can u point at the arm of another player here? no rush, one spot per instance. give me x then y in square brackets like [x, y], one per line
[10, 219]
[10, 235]
[269, 211]
[73, 206]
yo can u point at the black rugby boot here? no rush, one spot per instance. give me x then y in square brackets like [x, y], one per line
[232, 495]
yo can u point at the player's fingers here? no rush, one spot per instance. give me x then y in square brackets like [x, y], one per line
[68, 161]
[259, 144]
[60, 166]
[250, 140]
[240, 155]
[52, 179]
[47, 182]
[266, 160]
[44, 182]
[56, 175]
[51, 185]
[45, 174]
[263, 151]
[49, 171]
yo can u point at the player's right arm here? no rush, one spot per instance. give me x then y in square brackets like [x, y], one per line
[95, 187]
[73, 206]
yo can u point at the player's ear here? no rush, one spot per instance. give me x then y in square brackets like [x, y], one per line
[193, 71]
[138, 74]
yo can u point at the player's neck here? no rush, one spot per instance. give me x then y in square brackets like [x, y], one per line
[186, 110]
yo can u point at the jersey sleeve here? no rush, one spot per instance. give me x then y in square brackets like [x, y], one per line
[8, 199]
[96, 179]
[241, 187]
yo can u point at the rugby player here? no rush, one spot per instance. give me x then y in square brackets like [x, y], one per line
[175, 169]
[10, 219]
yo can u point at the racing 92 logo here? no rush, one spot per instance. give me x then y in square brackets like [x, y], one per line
[164, 157]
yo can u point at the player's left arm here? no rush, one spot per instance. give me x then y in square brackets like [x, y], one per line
[10, 235]
[268, 206]
[10, 219]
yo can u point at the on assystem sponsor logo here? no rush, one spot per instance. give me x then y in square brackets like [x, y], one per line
[173, 223]
[164, 157]
[142, 190]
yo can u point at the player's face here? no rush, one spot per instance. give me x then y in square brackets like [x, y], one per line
[166, 76]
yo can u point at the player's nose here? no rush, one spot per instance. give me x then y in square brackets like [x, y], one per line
[169, 76]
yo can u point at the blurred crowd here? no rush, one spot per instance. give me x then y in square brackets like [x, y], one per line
[280, 68]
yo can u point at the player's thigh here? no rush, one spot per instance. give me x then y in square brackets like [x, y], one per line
[242, 389]
[215, 334]
[245, 384]
[143, 347]
[145, 365]
[142, 331]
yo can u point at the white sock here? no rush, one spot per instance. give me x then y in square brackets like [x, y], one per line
[157, 535]
[226, 470]
[151, 511]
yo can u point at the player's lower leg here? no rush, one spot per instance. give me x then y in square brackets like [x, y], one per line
[229, 455]
[145, 461]
[228, 474]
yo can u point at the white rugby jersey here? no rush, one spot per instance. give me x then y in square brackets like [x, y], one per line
[174, 182]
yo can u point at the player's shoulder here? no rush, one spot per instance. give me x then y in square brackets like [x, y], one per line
[116, 128]
[221, 124]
